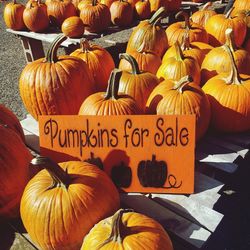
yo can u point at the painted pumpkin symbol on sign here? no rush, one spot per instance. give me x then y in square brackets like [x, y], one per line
[97, 161]
[121, 175]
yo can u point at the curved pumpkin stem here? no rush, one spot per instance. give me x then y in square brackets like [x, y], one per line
[51, 55]
[158, 15]
[94, 2]
[179, 53]
[227, 15]
[84, 45]
[185, 42]
[183, 83]
[230, 39]
[206, 6]
[187, 24]
[58, 175]
[132, 61]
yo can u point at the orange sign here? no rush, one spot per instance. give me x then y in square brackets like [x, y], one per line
[142, 153]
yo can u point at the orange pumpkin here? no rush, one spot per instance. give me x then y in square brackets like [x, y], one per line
[136, 83]
[142, 9]
[133, 2]
[176, 31]
[14, 171]
[127, 230]
[107, 2]
[13, 16]
[73, 27]
[60, 197]
[110, 103]
[229, 95]
[95, 56]
[169, 5]
[83, 3]
[179, 66]
[240, 5]
[55, 85]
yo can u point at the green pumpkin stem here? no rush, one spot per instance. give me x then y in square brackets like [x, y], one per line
[58, 175]
[132, 61]
[113, 85]
[186, 17]
[230, 39]
[183, 83]
[160, 13]
[51, 55]
[179, 53]
[227, 15]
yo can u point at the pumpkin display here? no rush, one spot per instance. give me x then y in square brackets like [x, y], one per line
[187, 98]
[127, 230]
[110, 103]
[136, 83]
[55, 85]
[95, 16]
[60, 197]
[73, 27]
[13, 15]
[169, 5]
[229, 95]
[179, 66]
[95, 56]
[149, 35]
[240, 5]
[14, 170]
[176, 31]
[217, 25]
[121, 13]
[201, 16]
[217, 60]
[35, 16]
[59, 10]
[142, 9]
[7, 117]
[121, 175]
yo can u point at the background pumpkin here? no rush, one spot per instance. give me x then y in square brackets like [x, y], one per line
[169, 5]
[240, 5]
[142, 9]
[73, 27]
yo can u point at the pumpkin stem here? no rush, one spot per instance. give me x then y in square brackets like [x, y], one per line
[14, 1]
[58, 175]
[132, 61]
[230, 39]
[185, 42]
[160, 13]
[94, 2]
[84, 44]
[227, 15]
[182, 83]
[179, 53]
[206, 6]
[51, 55]
[186, 17]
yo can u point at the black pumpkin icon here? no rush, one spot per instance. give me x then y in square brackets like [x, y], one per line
[95, 161]
[121, 175]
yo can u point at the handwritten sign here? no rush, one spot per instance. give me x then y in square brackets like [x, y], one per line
[144, 153]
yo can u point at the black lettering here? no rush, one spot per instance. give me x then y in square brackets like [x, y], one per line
[63, 144]
[184, 136]
[114, 140]
[51, 127]
[136, 135]
[170, 137]
[159, 137]
[104, 132]
[128, 124]
[72, 135]
[146, 132]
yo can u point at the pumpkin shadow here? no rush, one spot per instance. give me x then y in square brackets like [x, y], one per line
[7, 236]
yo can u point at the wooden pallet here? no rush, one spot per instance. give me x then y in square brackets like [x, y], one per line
[191, 220]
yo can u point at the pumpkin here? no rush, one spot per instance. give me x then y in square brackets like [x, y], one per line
[121, 175]
[7, 117]
[73, 27]
[95, 16]
[229, 95]
[176, 31]
[133, 2]
[142, 9]
[179, 66]
[217, 25]
[62, 196]
[201, 16]
[110, 102]
[240, 5]
[35, 16]
[107, 2]
[13, 15]
[169, 5]
[76, 2]
[121, 13]
[136, 83]
[95, 56]
[149, 35]
[55, 85]
[83, 3]
[187, 98]
[217, 60]
[59, 10]
[127, 230]
[14, 171]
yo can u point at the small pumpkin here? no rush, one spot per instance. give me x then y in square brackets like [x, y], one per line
[142, 9]
[121, 175]
[136, 83]
[60, 197]
[229, 95]
[176, 31]
[13, 15]
[169, 5]
[73, 27]
[110, 103]
[127, 230]
[95, 56]
[55, 85]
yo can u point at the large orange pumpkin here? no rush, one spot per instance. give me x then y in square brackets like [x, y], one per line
[73, 27]
[136, 83]
[99, 61]
[14, 171]
[169, 5]
[127, 230]
[63, 202]
[110, 102]
[55, 85]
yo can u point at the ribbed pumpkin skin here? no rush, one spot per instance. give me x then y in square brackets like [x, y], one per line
[73, 27]
[13, 16]
[240, 5]
[7, 117]
[14, 172]
[142, 233]
[170, 5]
[59, 218]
